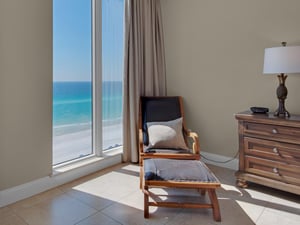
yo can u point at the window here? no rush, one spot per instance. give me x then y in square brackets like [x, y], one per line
[85, 98]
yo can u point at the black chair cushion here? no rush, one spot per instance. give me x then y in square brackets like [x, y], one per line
[158, 109]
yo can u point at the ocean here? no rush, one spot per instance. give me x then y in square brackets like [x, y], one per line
[72, 105]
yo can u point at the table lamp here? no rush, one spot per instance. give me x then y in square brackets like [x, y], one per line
[282, 60]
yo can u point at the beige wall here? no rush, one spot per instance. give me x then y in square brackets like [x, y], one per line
[214, 56]
[214, 53]
[25, 91]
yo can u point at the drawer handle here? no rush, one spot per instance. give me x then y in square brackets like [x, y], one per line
[275, 170]
[274, 131]
[275, 150]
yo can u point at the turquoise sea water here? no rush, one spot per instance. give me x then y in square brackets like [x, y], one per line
[72, 105]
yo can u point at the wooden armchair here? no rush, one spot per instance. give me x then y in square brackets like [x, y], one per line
[165, 110]
[169, 156]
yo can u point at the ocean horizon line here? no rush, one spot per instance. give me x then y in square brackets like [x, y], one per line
[106, 122]
[83, 81]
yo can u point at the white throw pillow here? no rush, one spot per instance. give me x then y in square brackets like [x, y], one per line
[166, 134]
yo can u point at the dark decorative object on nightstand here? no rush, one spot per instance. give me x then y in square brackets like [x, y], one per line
[256, 109]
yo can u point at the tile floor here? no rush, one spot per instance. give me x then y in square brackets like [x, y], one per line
[113, 197]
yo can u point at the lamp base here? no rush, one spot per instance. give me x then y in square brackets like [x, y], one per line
[282, 113]
[281, 95]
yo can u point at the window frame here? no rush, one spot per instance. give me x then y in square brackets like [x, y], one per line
[97, 77]
[97, 149]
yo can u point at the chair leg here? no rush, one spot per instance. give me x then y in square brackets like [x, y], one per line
[215, 204]
[141, 177]
[146, 202]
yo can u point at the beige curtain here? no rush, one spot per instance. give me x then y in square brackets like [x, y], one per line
[144, 65]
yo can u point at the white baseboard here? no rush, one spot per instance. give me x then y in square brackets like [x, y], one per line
[219, 160]
[29, 189]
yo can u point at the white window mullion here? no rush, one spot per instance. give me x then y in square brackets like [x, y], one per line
[97, 77]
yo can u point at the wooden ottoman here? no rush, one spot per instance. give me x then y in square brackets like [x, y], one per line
[176, 173]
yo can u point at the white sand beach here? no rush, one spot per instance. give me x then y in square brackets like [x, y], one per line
[78, 144]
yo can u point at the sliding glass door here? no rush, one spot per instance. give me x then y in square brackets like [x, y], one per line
[112, 71]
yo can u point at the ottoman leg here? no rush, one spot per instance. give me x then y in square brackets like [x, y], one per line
[146, 202]
[215, 204]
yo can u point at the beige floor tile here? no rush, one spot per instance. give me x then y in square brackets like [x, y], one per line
[29, 202]
[257, 193]
[278, 217]
[4, 211]
[102, 189]
[285, 200]
[60, 210]
[98, 219]
[90, 178]
[8, 217]
[95, 201]
[251, 209]
[128, 215]
[232, 213]
[192, 217]
[247, 201]
[135, 200]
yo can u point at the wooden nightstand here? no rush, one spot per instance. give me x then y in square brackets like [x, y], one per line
[269, 151]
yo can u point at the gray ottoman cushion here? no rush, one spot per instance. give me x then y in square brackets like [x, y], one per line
[177, 170]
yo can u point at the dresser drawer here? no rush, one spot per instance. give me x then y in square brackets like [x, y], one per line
[283, 172]
[284, 152]
[274, 132]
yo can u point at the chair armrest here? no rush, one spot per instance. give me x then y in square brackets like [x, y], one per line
[141, 147]
[141, 144]
[195, 141]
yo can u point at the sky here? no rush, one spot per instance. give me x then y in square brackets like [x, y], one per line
[72, 40]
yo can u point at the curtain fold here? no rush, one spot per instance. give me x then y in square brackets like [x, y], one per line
[144, 66]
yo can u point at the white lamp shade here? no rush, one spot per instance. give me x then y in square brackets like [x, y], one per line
[282, 60]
